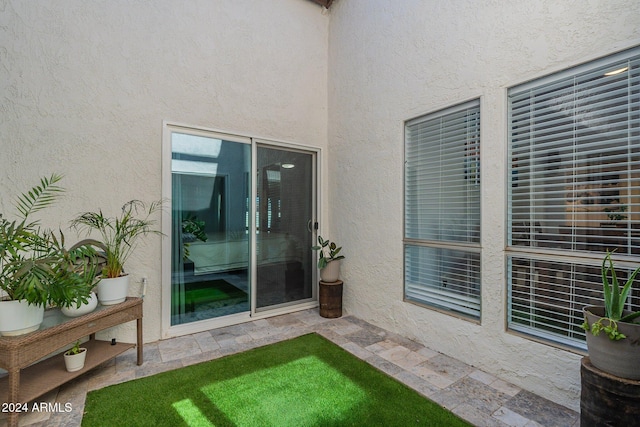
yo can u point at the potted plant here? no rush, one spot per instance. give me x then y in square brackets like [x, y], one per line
[119, 236]
[74, 357]
[80, 267]
[612, 335]
[328, 261]
[330, 288]
[88, 270]
[35, 268]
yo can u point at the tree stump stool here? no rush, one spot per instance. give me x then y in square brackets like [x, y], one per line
[607, 400]
[330, 299]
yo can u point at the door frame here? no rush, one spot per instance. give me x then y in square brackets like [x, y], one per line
[315, 153]
[168, 330]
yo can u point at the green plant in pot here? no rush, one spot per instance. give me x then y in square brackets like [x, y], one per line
[613, 333]
[75, 357]
[328, 259]
[78, 270]
[85, 266]
[118, 238]
[35, 267]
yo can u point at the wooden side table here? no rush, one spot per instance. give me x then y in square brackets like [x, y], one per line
[27, 380]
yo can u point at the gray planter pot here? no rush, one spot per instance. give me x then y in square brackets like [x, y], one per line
[620, 358]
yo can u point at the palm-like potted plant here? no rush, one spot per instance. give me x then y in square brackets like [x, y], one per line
[612, 332]
[119, 236]
[35, 268]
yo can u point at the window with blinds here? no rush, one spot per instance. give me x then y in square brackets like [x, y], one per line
[574, 159]
[442, 209]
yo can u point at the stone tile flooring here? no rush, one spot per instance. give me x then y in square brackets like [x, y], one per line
[476, 396]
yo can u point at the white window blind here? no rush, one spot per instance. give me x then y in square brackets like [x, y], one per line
[547, 295]
[442, 209]
[574, 158]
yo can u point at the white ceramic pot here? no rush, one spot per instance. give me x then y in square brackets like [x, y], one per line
[331, 272]
[113, 291]
[75, 362]
[76, 310]
[19, 317]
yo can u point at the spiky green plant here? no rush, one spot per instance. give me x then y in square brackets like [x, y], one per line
[614, 300]
[119, 235]
[34, 264]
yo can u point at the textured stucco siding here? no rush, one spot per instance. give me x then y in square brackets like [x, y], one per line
[390, 61]
[85, 87]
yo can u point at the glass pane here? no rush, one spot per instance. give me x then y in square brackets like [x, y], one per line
[574, 144]
[284, 207]
[445, 278]
[547, 297]
[442, 176]
[210, 252]
[574, 187]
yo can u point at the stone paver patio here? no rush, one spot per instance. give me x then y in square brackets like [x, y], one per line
[474, 395]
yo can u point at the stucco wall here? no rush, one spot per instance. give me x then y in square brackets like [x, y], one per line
[85, 87]
[390, 61]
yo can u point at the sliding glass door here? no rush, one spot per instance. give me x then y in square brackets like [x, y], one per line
[240, 242]
[210, 229]
[284, 227]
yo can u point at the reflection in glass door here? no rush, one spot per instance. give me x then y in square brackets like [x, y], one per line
[210, 231]
[284, 237]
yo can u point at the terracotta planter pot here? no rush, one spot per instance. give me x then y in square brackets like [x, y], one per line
[620, 358]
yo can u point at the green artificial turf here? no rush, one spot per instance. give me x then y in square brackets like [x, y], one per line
[306, 381]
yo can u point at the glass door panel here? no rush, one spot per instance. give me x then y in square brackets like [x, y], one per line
[284, 211]
[210, 231]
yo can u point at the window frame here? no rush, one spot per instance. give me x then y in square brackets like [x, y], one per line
[569, 261]
[456, 304]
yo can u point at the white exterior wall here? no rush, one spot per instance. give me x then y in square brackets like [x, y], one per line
[390, 61]
[85, 87]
